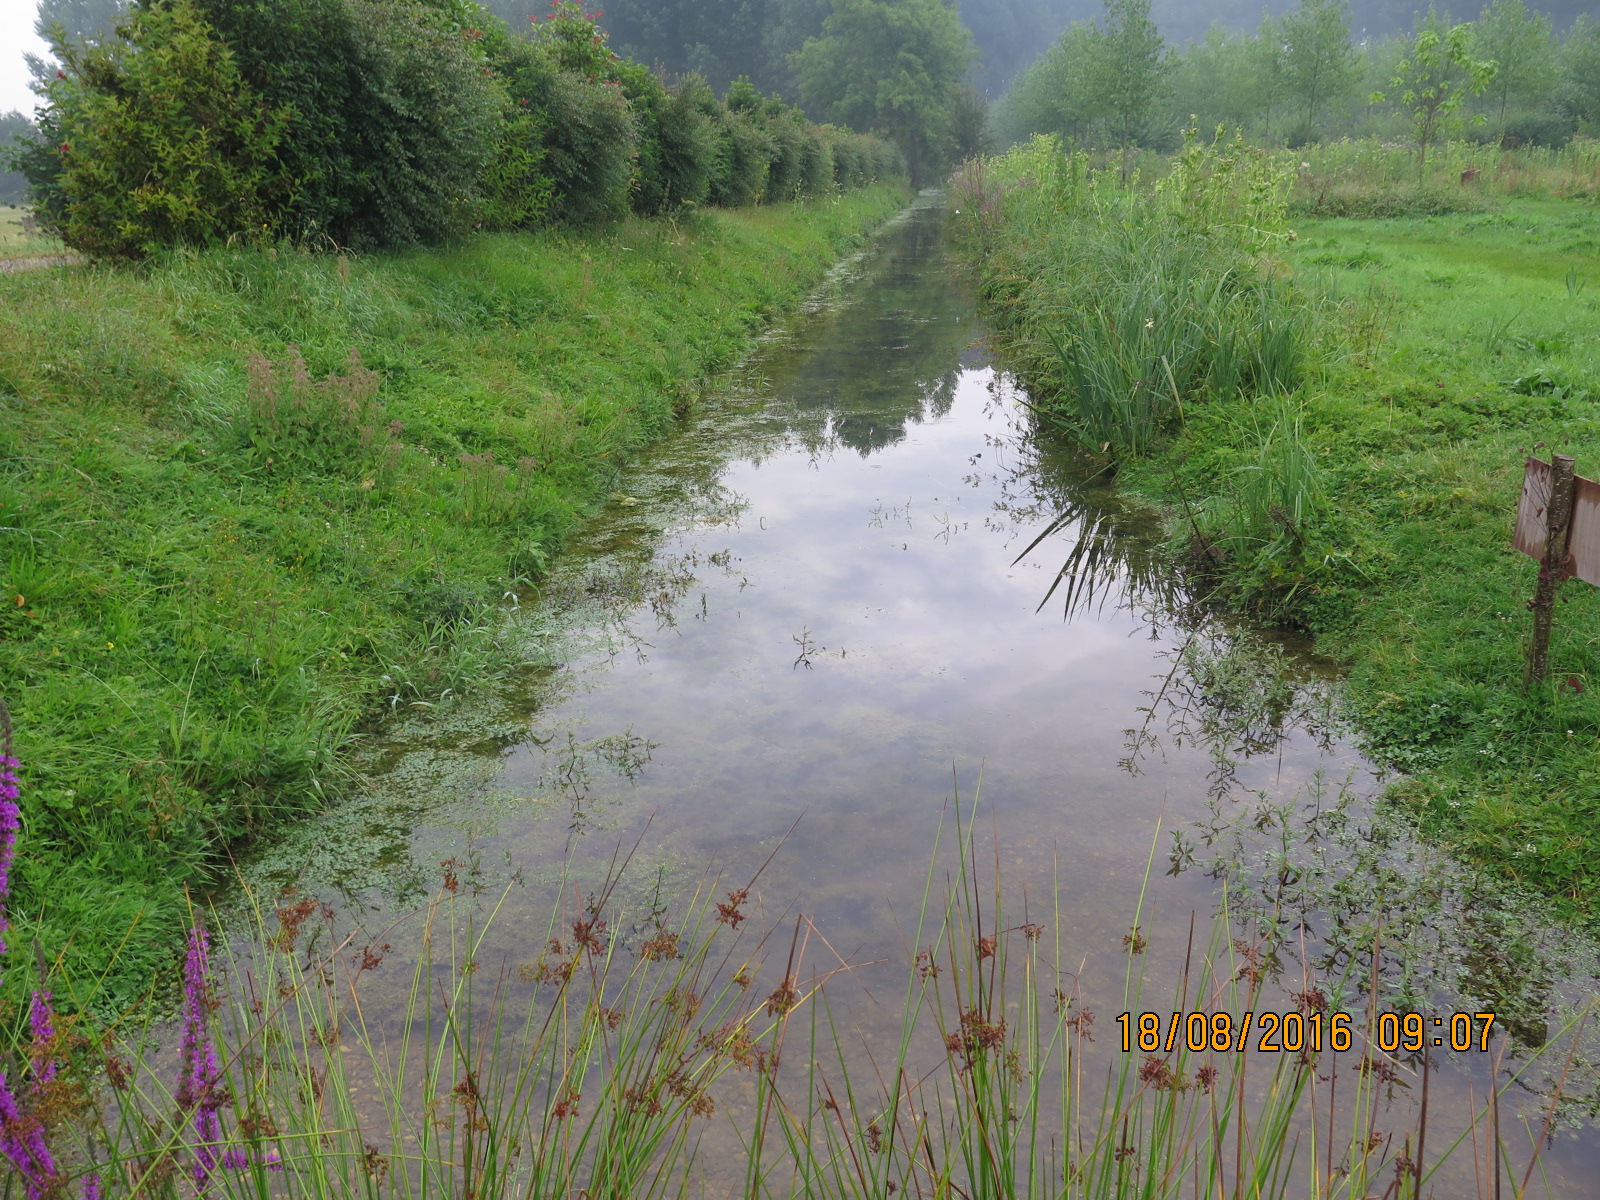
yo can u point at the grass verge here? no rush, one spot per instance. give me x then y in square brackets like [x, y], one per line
[252, 500]
[1372, 505]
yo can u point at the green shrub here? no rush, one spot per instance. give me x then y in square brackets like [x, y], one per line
[742, 168]
[381, 123]
[518, 192]
[860, 160]
[677, 143]
[14, 128]
[786, 168]
[157, 140]
[847, 163]
[395, 116]
[583, 136]
[687, 132]
[590, 143]
[816, 163]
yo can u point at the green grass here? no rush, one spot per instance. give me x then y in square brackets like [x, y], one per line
[1490, 353]
[210, 593]
[1447, 348]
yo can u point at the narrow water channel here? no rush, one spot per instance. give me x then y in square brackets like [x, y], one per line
[807, 624]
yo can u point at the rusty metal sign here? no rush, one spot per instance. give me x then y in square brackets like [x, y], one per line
[1583, 537]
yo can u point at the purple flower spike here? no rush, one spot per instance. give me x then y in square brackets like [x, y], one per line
[9, 822]
[197, 1089]
[42, 1022]
[91, 1187]
[22, 1141]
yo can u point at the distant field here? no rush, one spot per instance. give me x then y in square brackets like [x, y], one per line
[14, 243]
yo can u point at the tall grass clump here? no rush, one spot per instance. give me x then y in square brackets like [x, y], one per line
[1124, 303]
[1366, 177]
[1266, 528]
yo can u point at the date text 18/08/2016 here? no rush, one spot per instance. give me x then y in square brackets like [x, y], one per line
[1295, 1032]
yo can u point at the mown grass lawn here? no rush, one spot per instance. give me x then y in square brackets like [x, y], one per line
[1452, 347]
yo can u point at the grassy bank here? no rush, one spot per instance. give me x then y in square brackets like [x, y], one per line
[1370, 500]
[251, 501]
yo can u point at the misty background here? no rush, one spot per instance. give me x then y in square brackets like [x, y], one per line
[1023, 75]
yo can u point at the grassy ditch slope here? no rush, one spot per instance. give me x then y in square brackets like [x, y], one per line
[1359, 476]
[251, 500]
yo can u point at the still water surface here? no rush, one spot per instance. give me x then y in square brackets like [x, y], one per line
[802, 623]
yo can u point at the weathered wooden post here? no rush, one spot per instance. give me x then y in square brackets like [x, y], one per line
[1558, 526]
[1552, 567]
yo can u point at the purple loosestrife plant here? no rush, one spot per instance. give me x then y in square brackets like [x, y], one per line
[9, 814]
[22, 1141]
[22, 1136]
[197, 1087]
[41, 1020]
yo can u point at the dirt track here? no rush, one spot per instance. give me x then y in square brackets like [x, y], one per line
[41, 260]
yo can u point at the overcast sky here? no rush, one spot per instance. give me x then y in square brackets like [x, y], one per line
[17, 37]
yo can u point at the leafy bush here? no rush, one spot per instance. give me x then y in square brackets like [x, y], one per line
[741, 174]
[689, 145]
[382, 123]
[816, 164]
[14, 127]
[518, 192]
[848, 164]
[590, 145]
[158, 140]
[786, 169]
[395, 118]
[677, 144]
[583, 136]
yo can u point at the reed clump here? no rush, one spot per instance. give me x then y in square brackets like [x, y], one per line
[1123, 303]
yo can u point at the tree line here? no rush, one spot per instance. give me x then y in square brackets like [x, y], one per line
[378, 123]
[1306, 76]
[723, 39]
[903, 69]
